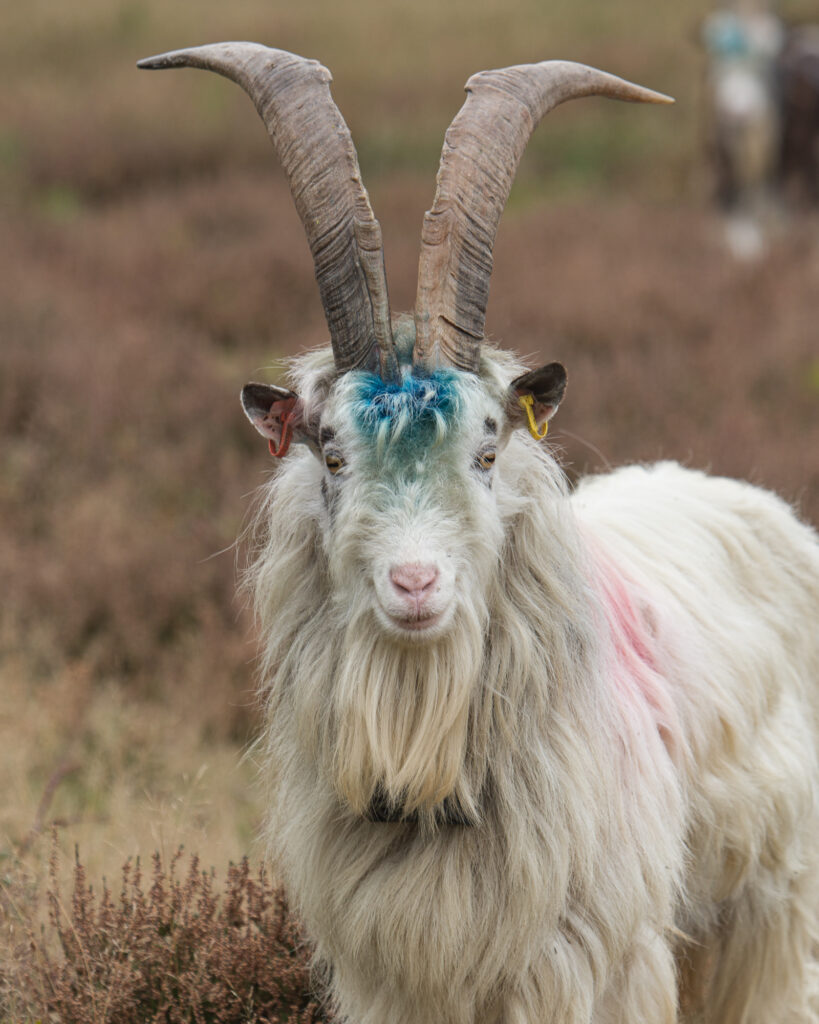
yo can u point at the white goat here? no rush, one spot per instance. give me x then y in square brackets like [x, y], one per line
[534, 756]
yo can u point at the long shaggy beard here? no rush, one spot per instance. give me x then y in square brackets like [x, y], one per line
[402, 714]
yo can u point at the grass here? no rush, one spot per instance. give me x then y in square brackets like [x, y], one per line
[118, 774]
[81, 116]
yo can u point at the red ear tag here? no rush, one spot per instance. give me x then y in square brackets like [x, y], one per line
[286, 438]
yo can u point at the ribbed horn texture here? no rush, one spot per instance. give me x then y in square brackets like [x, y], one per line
[292, 95]
[481, 153]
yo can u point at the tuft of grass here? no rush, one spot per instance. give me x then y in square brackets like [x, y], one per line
[117, 775]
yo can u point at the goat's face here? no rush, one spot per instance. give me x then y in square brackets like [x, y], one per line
[405, 477]
[410, 519]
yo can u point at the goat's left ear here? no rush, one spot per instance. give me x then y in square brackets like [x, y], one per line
[278, 415]
[542, 391]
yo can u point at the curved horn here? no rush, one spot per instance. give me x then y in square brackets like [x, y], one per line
[292, 95]
[481, 153]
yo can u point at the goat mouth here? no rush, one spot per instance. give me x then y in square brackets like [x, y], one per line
[417, 624]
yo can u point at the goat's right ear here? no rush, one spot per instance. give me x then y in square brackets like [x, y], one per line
[278, 415]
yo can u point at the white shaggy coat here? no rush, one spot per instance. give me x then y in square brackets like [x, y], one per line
[624, 702]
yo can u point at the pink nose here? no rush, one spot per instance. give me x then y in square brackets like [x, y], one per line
[414, 582]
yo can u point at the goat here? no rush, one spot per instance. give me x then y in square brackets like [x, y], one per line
[743, 40]
[532, 754]
[798, 171]
[763, 114]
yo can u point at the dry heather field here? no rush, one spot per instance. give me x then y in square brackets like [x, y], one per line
[152, 263]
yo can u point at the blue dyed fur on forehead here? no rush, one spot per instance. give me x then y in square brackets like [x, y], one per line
[416, 409]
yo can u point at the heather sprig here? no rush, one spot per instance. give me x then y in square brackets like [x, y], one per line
[175, 947]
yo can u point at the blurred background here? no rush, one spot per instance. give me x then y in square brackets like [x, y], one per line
[152, 263]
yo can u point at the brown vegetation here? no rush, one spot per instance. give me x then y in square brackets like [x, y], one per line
[174, 948]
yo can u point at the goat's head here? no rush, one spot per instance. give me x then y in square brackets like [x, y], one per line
[406, 419]
[406, 427]
[405, 471]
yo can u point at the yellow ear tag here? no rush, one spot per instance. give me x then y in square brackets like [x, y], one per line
[527, 404]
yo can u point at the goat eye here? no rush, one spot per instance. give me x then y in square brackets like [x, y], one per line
[333, 463]
[486, 460]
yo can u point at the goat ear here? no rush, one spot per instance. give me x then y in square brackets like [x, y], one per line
[545, 386]
[278, 415]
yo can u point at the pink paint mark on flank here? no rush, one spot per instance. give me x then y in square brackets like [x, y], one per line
[639, 648]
